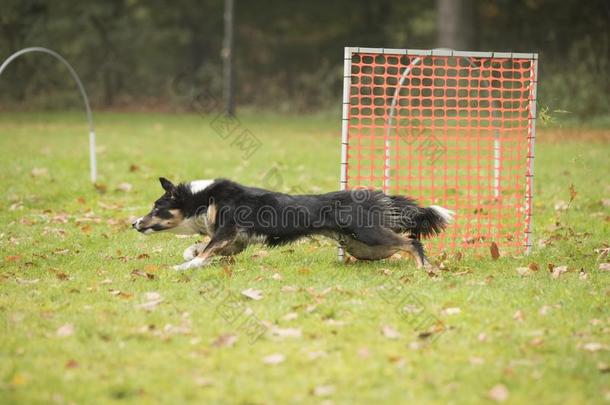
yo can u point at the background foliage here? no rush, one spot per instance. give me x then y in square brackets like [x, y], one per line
[288, 53]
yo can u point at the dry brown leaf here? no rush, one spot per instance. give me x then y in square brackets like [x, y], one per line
[275, 358]
[253, 294]
[524, 271]
[499, 393]
[226, 340]
[494, 251]
[390, 333]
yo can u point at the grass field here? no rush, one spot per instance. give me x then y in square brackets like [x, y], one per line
[91, 311]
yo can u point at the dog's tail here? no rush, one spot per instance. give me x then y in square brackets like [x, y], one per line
[419, 221]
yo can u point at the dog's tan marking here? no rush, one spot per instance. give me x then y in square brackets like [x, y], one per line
[211, 215]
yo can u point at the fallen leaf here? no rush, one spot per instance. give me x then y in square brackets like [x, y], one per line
[316, 354]
[518, 316]
[323, 390]
[561, 206]
[276, 358]
[40, 172]
[71, 363]
[26, 281]
[290, 316]
[151, 300]
[364, 353]
[451, 311]
[499, 393]
[593, 347]
[389, 332]
[65, 330]
[101, 188]
[256, 295]
[533, 266]
[603, 367]
[124, 187]
[558, 271]
[286, 332]
[143, 274]
[524, 271]
[604, 266]
[12, 258]
[544, 310]
[289, 288]
[260, 254]
[133, 168]
[276, 276]
[495, 252]
[226, 340]
[121, 294]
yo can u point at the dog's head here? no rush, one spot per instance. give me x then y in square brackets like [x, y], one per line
[167, 214]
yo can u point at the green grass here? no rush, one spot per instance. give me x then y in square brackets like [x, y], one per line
[67, 252]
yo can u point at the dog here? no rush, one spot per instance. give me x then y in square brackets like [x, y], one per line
[367, 224]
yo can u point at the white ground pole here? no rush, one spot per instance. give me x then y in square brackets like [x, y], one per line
[347, 81]
[532, 139]
[81, 88]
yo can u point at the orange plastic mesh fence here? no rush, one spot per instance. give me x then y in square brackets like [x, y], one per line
[454, 131]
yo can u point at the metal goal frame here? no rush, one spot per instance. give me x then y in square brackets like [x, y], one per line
[489, 63]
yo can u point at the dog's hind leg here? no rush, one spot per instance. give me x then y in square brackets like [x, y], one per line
[415, 248]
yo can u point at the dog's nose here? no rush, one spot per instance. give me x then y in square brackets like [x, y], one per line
[135, 223]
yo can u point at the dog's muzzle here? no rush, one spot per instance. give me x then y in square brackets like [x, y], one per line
[137, 225]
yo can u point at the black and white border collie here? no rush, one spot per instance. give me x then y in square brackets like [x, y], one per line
[367, 224]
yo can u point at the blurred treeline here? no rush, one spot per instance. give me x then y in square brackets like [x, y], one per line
[288, 54]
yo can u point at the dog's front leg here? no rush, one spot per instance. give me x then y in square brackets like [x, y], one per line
[193, 251]
[222, 238]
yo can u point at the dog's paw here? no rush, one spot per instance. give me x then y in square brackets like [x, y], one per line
[191, 264]
[192, 251]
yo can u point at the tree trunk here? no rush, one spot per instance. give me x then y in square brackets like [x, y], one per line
[455, 20]
[227, 57]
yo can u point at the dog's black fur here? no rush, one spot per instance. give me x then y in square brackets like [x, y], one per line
[367, 224]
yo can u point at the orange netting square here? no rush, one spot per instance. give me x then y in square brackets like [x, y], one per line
[455, 131]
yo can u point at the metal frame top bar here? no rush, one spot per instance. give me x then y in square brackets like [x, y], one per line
[444, 52]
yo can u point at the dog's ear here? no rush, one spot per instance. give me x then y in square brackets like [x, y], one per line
[166, 184]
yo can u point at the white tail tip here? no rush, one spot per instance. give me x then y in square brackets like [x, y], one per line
[446, 214]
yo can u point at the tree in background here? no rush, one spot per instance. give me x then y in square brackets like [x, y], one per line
[288, 55]
[455, 21]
